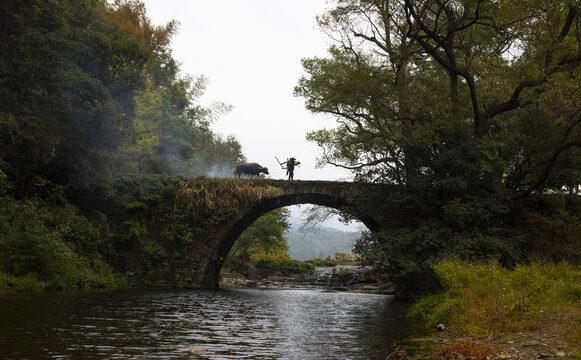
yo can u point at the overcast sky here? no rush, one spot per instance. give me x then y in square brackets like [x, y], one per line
[251, 53]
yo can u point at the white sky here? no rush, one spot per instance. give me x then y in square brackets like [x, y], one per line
[250, 51]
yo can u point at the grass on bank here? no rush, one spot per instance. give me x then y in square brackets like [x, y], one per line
[285, 266]
[487, 299]
[276, 263]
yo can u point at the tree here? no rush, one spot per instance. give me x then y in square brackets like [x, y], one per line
[365, 85]
[468, 104]
[146, 124]
[420, 88]
[171, 139]
[512, 56]
[69, 74]
[264, 236]
[92, 89]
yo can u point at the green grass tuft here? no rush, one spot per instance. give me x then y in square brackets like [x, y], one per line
[486, 299]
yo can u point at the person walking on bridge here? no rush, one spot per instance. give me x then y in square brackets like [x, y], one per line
[290, 167]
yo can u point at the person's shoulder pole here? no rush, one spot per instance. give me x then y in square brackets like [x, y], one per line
[281, 164]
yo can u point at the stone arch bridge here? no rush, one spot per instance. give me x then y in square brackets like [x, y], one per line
[176, 231]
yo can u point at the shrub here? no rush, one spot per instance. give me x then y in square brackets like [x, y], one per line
[285, 266]
[27, 282]
[37, 248]
[487, 298]
[152, 254]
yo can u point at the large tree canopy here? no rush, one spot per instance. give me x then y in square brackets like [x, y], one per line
[469, 105]
[483, 90]
[90, 87]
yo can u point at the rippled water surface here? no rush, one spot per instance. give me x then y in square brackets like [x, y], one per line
[220, 324]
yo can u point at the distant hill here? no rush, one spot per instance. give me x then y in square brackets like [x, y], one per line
[305, 245]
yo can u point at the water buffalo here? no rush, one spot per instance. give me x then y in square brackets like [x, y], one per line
[250, 169]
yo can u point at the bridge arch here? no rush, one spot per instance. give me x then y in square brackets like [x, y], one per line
[322, 194]
[186, 226]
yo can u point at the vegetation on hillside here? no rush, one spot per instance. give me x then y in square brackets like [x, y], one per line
[473, 108]
[90, 91]
[44, 246]
[488, 299]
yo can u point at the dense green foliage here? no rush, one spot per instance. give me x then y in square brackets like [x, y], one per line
[489, 299]
[261, 241]
[285, 266]
[89, 90]
[44, 246]
[472, 106]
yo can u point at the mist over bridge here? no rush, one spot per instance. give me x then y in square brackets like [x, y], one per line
[183, 228]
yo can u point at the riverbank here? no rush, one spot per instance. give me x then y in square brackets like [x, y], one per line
[486, 311]
[339, 278]
[544, 343]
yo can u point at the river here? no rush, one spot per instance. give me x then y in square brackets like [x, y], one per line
[201, 324]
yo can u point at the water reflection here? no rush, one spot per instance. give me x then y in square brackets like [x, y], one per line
[223, 324]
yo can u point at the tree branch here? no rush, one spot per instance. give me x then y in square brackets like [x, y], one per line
[568, 21]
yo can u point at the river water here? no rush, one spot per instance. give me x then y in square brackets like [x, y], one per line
[201, 324]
